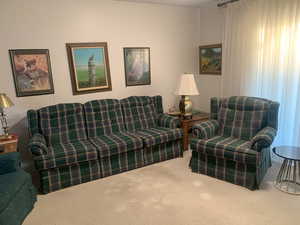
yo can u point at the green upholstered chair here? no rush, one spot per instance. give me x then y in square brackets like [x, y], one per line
[17, 194]
[234, 145]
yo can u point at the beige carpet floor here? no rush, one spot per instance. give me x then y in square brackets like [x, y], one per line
[166, 193]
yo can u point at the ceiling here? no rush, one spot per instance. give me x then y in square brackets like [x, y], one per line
[187, 3]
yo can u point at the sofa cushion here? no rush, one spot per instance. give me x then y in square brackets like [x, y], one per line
[139, 113]
[62, 154]
[103, 117]
[62, 123]
[108, 145]
[10, 184]
[229, 148]
[158, 135]
[242, 117]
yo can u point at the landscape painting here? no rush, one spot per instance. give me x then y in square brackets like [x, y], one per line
[210, 57]
[89, 67]
[137, 66]
[31, 71]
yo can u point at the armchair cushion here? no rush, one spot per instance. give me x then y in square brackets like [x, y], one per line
[264, 138]
[108, 145]
[167, 121]
[206, 130]
[159, 135]
[9, 162]
[228, 148]
[63, 154]
[38, 145]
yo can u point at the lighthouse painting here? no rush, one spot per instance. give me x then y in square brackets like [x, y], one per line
[89, 67]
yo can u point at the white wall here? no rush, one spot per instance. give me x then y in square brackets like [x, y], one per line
[210, 31]
[169, 32]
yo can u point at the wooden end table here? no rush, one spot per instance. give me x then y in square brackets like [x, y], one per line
[186, 125]
[9, 145]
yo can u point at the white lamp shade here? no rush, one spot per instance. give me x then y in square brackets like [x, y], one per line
[187, 85]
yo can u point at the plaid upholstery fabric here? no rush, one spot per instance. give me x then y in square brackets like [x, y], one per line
[62, 177]
[157, 100]
[108, 145]
[158, 135]
[236, 155]
[62, 154]
[242, 117]
[125, 161]
[103, 117]
[246, 175]
[62, 123]
[263, 138]
[167, 121]
[37, 145]
[227, 147]
[139, 113]
[206, 130]
[162, 152]
[33, 122]
[214, 108]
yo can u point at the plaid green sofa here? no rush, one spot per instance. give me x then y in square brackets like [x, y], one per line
[76, 143]
[234, 145]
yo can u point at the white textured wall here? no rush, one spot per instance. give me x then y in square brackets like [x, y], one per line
[169, 31]
[210, 31]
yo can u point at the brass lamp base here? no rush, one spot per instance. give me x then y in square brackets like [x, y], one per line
[185, 106]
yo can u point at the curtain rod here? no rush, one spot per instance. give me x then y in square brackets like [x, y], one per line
[226, 2]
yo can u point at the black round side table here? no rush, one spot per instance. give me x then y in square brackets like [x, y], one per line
[288, 179]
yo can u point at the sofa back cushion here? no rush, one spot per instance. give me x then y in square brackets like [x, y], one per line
[242, 117]
[139, 112]
[103, 117]
[62, 123]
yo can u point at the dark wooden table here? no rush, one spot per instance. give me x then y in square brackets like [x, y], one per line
[288, 179]
[186, 125]
[8, 145]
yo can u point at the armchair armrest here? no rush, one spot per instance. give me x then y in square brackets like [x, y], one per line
[9, 162]
[37, 145]
[264, 138]
[206, 130]
[167, 121]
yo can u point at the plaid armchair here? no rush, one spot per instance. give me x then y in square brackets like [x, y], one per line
[234, 145]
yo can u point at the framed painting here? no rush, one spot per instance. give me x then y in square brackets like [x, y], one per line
[210, 57]
[137, 66]
[31, 70]
[89, 67]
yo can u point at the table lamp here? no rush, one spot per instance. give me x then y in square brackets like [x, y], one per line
[186, 88]
[5, 102]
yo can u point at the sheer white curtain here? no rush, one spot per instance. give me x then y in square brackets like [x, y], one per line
[262, 58]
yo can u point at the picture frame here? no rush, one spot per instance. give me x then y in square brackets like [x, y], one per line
[137, 66]
[210, 59]
[89, 67]
[31, 69]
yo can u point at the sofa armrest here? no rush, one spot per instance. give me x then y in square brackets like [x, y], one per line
[206, 130]
[9, 162]
[263, 139]
[167, 121]
[37, 145]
